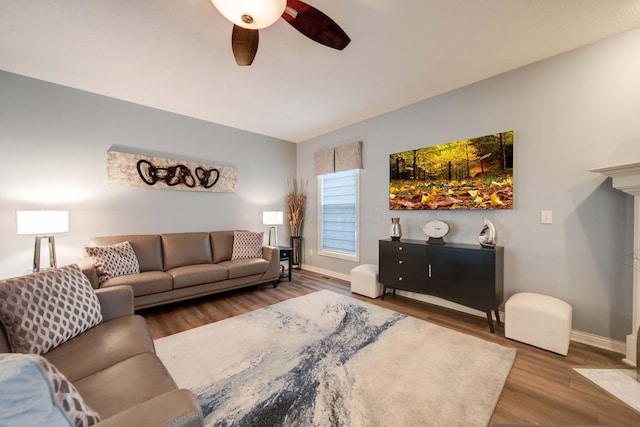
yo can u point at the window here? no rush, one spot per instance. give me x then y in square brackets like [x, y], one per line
[338, 216]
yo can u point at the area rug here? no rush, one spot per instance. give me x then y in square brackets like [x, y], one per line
[326, 359]
[619, 382]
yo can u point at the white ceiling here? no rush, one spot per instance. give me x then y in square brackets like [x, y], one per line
[175, 55]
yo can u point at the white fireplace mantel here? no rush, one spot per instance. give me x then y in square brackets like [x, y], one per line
[627, 178]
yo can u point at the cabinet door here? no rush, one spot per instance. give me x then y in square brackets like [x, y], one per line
[403, 266]
[465, 276]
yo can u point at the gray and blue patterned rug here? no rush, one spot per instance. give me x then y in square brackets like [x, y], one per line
[326, 359]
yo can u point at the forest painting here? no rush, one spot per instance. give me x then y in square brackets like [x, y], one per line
[472, 173]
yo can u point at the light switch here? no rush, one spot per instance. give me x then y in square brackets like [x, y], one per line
[546, 217]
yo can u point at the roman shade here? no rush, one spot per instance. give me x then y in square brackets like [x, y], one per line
[343, 158]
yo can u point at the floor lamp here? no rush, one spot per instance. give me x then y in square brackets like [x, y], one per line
[272, 219]
[43, 224]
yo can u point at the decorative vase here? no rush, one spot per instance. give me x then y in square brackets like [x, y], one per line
[296, 246]
[488, 235]
[396, 230]
[295, 205]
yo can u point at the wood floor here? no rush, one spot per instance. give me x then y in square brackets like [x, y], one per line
[542, 388]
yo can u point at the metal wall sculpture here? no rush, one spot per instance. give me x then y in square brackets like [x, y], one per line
[132, 170]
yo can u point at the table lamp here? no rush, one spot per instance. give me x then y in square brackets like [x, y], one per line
[43, 224]
[272, 219]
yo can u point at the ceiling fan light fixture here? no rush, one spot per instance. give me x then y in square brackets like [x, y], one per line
[251, 14]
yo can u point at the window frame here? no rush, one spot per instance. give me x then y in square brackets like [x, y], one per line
[334, 254]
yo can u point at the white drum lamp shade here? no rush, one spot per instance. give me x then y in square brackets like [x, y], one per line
[272, 218]
[251, 14]
[43, 224]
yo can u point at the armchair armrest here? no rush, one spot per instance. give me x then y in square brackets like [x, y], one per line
[115, 301]
[178, 408]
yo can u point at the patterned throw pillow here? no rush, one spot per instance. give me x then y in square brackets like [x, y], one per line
[36, 393]
[42, 310]
[113, 261]
[247, 244]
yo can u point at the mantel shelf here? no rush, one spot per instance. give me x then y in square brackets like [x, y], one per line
[624, 177]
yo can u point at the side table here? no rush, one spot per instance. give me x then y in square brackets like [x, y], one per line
[286, 254]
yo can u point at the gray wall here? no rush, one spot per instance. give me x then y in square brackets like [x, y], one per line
[53, 146]
[570, 113]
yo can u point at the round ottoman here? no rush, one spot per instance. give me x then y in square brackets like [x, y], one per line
[364, 281]
[539, 320]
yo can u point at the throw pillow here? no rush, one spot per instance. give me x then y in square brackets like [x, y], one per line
[42, 310]
[113, 261]
[37, 394]
[247, 244]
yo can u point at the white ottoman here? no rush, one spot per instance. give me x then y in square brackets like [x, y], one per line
[364, 281]
[539, 320]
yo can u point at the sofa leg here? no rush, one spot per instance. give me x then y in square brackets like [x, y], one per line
[275, 283]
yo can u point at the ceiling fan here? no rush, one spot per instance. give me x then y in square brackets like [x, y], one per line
[248, 16]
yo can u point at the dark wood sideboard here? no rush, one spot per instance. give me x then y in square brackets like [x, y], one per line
[470, 275]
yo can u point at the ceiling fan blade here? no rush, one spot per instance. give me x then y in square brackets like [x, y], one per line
[245, 44]
[315, 24]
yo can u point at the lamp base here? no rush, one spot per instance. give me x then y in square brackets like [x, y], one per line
[52, 252]
[273, 230]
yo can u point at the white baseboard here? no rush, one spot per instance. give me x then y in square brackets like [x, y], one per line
[577, 336]
[329, 273]
[598, 341]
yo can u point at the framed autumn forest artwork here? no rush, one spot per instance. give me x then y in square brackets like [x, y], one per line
[474, 173]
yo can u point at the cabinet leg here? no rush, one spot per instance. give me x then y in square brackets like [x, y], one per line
[490, 320]
[498, 317]
[384, 291]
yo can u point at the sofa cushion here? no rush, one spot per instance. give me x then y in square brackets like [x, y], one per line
[221, 245]
[199, 274]
[185, 249]
[247, 244]
[35, 393]
[102, 346]
[147, 247]
[125, 384]
[245, 267]
[114, 260]
[149, 282]
[42, 310]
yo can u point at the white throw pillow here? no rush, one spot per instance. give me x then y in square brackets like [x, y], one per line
[35, 393]
[42, 310]
[113, 261]
[247, 244]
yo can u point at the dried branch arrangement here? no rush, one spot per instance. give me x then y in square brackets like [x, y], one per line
[296, 199]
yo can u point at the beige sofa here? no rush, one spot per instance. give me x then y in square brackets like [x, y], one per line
[178, 266]
[114, 368]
